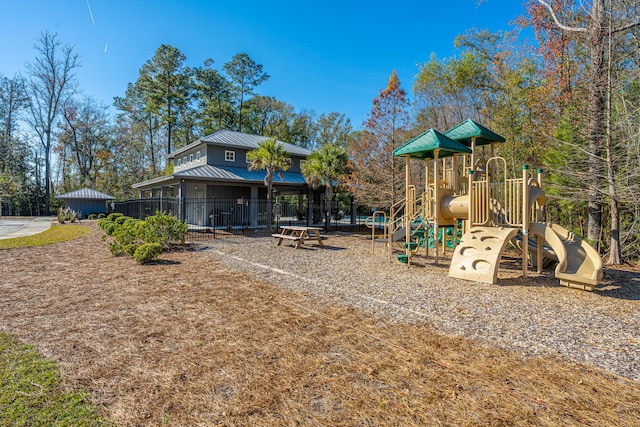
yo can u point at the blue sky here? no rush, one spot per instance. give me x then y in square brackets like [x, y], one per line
[322, 55]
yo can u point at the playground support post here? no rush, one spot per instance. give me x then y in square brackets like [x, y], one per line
[470, 218]
[408, 210]
[539, 219]
[437, 206]
[525, 219]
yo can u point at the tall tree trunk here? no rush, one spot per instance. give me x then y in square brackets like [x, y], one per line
[151, 147]
[596, 118]
[47, 171]
[615, 256]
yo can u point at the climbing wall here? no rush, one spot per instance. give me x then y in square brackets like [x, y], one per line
[478, 255]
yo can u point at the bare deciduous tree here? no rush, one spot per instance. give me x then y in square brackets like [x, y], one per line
[51, 82]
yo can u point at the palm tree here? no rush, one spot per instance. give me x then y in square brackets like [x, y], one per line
[269, 156]
[326, 166]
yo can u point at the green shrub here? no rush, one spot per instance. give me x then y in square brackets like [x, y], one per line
[102, 222]
[109, 228]
[116, 249]
[130, 222]
[61, 216]
[141, 239]
[165, 229]
[72, 217]
[101, 215]
[147, 252]
[112, 216]
[131, 248]
[92, 216]
[121, 219]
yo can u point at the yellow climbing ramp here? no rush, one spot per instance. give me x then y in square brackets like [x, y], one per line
[478, 254]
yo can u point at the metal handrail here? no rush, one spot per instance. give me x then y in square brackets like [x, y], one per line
[372, 226]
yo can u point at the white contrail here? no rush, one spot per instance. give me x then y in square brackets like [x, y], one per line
[91, 13]
[106, 45]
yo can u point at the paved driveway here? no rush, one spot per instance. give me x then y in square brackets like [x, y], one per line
[10, 228]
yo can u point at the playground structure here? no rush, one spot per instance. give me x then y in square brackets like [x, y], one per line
[479, 214]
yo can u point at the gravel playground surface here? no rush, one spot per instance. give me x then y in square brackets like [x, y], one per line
[535, 316]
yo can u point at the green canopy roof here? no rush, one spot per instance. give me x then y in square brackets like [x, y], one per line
[424, 145]
[468, 129]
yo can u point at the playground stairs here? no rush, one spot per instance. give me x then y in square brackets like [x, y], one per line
[417, 240]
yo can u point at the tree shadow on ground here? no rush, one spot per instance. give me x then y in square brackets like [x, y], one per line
[621, 283]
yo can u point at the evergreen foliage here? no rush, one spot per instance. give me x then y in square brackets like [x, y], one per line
[142, 239]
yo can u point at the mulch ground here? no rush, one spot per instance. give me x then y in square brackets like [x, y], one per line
[184, 341]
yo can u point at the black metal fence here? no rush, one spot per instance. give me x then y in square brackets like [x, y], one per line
[217, 218]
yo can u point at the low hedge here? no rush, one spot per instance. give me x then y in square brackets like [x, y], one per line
[147, 238]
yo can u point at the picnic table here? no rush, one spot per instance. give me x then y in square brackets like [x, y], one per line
[299, 234]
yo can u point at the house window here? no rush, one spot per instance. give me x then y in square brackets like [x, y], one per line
[229, 156]
[190, 158]
[248, 161]
[184, 160]
[198, 156]
[302, 162]
[179, 162]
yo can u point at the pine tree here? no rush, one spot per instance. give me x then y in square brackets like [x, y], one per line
[375, 176]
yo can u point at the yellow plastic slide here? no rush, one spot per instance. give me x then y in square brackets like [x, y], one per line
[579, 265]
[478, 255]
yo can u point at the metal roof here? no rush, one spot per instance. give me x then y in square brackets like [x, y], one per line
[469, 129]
[228, 138]
[226, 173]
[239, 174]
[85, 193]
[424, 145]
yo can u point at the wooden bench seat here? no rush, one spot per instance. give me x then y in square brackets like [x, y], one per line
[286, 236]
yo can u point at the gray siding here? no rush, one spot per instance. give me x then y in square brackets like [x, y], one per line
[216, 157]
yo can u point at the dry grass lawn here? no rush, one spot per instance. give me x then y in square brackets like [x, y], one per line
[185, 342]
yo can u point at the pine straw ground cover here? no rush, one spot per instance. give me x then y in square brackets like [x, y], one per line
[185, 341]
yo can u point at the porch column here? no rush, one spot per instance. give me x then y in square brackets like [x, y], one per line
[309, 207]
[182, 199]
[253, 206]
[300, 205]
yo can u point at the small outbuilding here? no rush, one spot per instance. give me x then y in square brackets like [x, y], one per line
[86, 201]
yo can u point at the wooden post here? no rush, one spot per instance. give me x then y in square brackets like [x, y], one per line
[454, 172]
[538, 219]
[471, 199]
[407, 211]
[428, 202]
[525, 219]
[436, 204]
[473, 153]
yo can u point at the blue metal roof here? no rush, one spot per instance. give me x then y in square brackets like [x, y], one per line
[85, 193]
[239, 174]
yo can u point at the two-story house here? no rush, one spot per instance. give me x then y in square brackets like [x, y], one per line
[216, 168]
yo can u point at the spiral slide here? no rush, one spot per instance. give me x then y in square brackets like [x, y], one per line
[579, 265]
